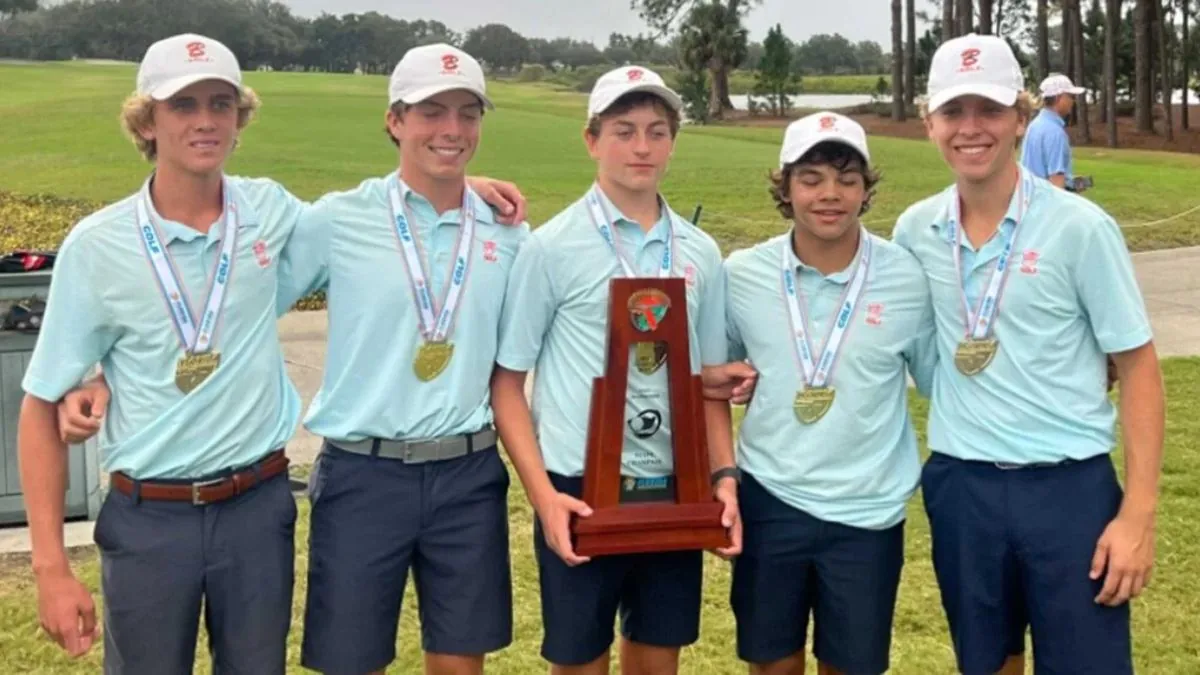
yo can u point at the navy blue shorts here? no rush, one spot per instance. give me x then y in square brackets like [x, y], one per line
[1012, 549]
[160, 562]
[657, 594]
[374, 519]
[792, 564]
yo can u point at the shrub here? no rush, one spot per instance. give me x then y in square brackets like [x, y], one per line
[532, 72]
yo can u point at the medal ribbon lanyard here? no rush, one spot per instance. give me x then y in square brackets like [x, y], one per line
[979, 324]
[195, 339]
[816, 375]
[433, 329]
[604, 225]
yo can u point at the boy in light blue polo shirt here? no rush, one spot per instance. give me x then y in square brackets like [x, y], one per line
[1032, 287]
[833, 319]
[555, 319]
[172, 292]
[415, 268]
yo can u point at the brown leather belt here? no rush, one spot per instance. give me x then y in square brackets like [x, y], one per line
[206, 491]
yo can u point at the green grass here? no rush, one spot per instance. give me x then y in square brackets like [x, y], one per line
[1164, 619]
[319, 132]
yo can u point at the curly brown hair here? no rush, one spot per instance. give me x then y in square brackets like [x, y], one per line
[839, 156]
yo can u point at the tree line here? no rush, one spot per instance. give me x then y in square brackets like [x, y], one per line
[266, 34]
[1129, 53]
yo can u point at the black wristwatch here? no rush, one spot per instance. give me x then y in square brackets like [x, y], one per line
[727, 472]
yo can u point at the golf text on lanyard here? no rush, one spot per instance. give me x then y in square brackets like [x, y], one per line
[436, 321]
[649, 357]
[199, 361]
[975, 352]
[815, 399]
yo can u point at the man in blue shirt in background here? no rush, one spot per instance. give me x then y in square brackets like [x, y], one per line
[1046, 152]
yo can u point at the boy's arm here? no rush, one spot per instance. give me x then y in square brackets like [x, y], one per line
[921, 355]
[714, 352]
[304, 261]
[74, 336]
[1110, 297]
[529, 306]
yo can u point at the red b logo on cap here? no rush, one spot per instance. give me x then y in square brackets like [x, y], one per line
[634, 74]
[828, 122]
[970, 58]
[196, 51]
[449, 63]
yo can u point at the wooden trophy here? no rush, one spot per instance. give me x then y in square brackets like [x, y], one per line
[648, 310]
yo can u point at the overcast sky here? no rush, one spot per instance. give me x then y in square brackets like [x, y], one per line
[595, 19]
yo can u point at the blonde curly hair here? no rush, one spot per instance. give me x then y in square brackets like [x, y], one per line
[137, 113]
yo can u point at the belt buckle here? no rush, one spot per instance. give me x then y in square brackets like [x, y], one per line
[196, 501]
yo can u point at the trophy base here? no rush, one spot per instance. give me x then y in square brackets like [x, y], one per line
[651, 528]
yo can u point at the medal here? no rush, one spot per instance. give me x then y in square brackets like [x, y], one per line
[648, 306]
[978, 347]
[812, 404]
[193, 369]
[199, 361]
[650, 356]
[816, 398]
[432, 358]
[973, 355]
[434, 352]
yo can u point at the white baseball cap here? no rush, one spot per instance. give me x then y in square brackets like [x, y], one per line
[179, 61]
[1059, 84]
[429, 70]
[979, 65]
[625, 80]
[824, 127]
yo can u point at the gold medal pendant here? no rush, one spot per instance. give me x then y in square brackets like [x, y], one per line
[432, 359]
[193, 369]
[972, 355]
[650, 356]
[812, 403]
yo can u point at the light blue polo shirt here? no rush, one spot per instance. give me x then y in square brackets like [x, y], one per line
[1071, 298]
[346, 244]
[105, 307]
[858, 465]
[1046, 149]
[556, 318]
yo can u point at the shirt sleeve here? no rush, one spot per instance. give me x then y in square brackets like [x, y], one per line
[714, 349]
[76, 332]
[529, 307]
[902, 233]
[733, 335]
[921, 353]
[304, 260]
[1108, 289]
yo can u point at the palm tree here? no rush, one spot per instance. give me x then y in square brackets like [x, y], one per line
[1187, 71]
[1143, 97]
[910, 54]
[1043, 39]
[1077, 75]
[1112, 24]
[897, 62]
[965, 14]
[712, 36]
[1164, 67]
